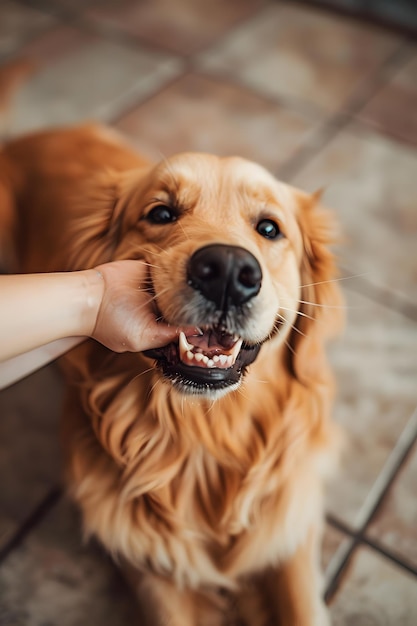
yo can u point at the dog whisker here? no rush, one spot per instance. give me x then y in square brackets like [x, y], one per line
[183, 230]
[155, 253]
[158, 267]
[139, 375]
[324, 306]
[300, 332]
[301, 313]
[336, 280]
[290, 348]
[154, 386]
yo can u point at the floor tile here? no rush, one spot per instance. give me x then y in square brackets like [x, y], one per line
[182, 27]
[18, 23]
[374, 364]
[294, 52]
[334, 549]
[55, 579]
[375, 592]
[371, 183]
[30, 459]
[203, 114]
[395, 525]
[113, 76]
[393, 109]
[52, 579]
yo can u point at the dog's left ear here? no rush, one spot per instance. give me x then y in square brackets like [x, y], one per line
[98, 225]
[321, 305]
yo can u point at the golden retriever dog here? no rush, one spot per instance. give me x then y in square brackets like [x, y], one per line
[199, 466]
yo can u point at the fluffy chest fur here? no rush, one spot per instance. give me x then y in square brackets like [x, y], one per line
[203, 493]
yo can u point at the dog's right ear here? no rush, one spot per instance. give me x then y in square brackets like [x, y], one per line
[98, 224]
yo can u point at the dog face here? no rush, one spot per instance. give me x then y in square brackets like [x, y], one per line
[229, 250]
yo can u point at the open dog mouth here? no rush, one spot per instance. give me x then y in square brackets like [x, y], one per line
[198, 364]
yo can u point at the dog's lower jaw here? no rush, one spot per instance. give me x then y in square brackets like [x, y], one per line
[211, 383]
[208, 392]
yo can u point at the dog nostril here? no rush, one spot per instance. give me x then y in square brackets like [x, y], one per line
[225, 275]
[207, 271]
[249, 276]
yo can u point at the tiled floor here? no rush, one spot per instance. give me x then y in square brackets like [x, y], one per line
[319, 99]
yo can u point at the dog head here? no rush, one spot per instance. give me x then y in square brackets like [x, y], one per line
[230, 250]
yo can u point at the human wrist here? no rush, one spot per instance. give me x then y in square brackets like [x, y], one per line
[93, 291]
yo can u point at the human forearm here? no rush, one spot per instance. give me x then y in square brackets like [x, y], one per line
[36, 309]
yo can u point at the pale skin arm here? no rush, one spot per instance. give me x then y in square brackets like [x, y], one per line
[43, 315]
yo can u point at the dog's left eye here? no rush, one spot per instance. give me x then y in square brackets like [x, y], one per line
[269, 229]
[162, 214]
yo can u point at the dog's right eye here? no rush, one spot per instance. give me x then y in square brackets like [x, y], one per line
[269, 229]
[162, 214]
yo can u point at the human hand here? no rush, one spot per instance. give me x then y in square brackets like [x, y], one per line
[126, 318]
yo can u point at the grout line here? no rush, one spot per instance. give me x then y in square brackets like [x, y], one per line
[391, 300]
[365, 17]
[343, 555]
[390, 555]
[60, 11]
[35, 517]
[337, 563]
[115, 119]
[108, 28]
[347, 112]
[386, 477]
[376, 545]
[292, 103]
[16, 51]
[337, 568]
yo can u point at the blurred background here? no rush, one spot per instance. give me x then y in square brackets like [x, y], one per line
[324, 94]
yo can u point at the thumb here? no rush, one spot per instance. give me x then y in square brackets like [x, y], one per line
[160, 334]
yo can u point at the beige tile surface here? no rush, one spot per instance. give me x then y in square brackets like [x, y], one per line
[207, 115]
[375, 592]
[335, 547]
[375, 365]
[181, 27]
[395, 524]
[393, 108]
[297, 53]
[52, 579]
[18, 23]
[30, 458]
[371, 183]
[113, 76]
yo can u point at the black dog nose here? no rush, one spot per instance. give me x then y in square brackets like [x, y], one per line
[225, 275]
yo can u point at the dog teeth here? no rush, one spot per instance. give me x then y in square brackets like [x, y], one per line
[183, 343]
[192, 355]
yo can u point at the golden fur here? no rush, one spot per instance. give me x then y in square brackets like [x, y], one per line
[212, 503]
